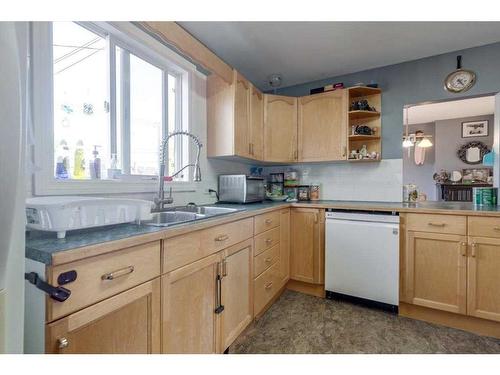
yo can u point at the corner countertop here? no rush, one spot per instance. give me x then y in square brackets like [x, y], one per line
[44, 247]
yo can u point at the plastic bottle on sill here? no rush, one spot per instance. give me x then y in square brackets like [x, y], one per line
[79, 162]
[62, 165]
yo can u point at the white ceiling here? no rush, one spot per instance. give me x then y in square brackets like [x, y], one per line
[308, 51]
[426, 113]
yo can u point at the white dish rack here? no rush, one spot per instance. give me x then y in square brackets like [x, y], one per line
[62, 213]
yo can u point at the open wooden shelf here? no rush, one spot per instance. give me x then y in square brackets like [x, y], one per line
[354, 115]
[363, 160]
[360, 91]
[363, 137]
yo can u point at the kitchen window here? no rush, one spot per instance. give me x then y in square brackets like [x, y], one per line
[107, 100]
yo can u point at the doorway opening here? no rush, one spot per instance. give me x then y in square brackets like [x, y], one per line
[447, 149]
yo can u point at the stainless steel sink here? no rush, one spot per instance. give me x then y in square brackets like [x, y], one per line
[183, 214]
[164, 219]
[207, 210]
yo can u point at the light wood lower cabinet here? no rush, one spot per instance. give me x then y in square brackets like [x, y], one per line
[436, 270]
[207, 304]
[126, 323]
[189, 301]
[237, 296]
[483, 287]
[307, 245]
[284, 246]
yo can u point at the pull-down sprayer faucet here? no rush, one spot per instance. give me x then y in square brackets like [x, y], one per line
[160, 201]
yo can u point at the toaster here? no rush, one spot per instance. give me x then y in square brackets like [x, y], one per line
[240, 188]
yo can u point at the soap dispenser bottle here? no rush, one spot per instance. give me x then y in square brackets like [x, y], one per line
[95, 165]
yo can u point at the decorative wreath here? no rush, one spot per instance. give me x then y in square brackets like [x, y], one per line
[462, 151]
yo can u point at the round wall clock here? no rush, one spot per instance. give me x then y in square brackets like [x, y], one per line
[460, 80]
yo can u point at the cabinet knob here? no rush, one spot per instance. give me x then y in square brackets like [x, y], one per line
[269, 240]
[62, 343]
[269, 221]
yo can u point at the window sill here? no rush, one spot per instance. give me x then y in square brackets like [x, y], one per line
[69, 187]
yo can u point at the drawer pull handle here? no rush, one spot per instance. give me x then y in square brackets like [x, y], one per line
[221, 238]
[269, 240]
[269, 221]
[268, 260]
[496, 228]
[437, 224]
[463, 248]
[118, 273]
[269, 285]
[62, 343]
[473, 249]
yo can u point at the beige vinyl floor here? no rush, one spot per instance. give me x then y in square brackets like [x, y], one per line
[298, 323]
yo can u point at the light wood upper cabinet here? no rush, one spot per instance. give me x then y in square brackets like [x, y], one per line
[237, 298]
[483, 297]
[307, 245]
[284, 245]
[280, 128]
[235, 118]
[126, 323]
[242, 135]
[256, 124]
[436, 274]
[322, 126]
[189, 321]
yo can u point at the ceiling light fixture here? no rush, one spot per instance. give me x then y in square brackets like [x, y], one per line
[407, 140]
[424, 143]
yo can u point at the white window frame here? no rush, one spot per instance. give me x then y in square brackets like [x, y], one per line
[144, 46]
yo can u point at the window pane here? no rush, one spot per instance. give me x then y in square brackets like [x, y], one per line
[175, 143]
[81, 110]
[146, 86]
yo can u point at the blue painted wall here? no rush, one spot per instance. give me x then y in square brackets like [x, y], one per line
[415, 82]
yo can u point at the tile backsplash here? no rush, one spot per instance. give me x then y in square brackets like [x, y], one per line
[378, 182]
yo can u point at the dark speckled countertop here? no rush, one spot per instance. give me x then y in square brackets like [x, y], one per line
[41, 246]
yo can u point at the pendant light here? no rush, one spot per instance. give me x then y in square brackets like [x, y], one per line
[425, 142]
[407, 142]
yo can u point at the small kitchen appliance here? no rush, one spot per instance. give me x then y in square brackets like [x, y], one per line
[240, 188]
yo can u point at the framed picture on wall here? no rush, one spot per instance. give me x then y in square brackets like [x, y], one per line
[474, 129]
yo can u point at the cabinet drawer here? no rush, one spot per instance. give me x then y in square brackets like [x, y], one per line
[484, 226]
[103, 276]
[188, 248]
[265, 287]
[265, 259]
[450, 224]
[267, 221]
[266, 240]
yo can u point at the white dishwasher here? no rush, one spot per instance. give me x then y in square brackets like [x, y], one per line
[362, 257]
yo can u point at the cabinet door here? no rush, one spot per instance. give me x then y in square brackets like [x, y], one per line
[237, 296]
[126, 323]
[242, 144]
[436, 270]
[284, 246]
[256, 124]
[483, 296]
[322, 126]
[307, 245]
[280, 128]
[188, 308]
[220, 117]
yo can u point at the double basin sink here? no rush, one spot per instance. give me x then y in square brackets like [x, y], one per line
[183, 214]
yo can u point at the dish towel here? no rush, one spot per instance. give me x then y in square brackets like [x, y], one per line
[419, 155]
